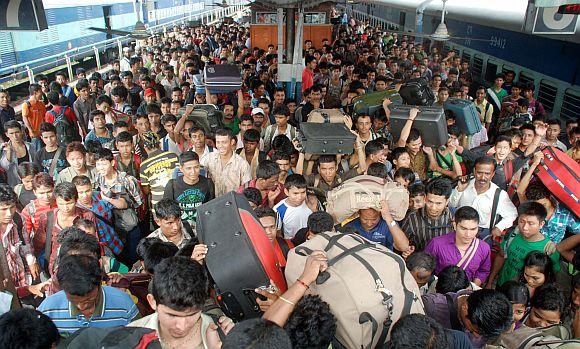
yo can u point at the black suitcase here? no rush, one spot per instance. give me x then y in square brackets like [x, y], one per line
[214, 117]
[222, 78]
[466, 115]
[240, 256]
[417, 92]
[430, 122]
[326, 138]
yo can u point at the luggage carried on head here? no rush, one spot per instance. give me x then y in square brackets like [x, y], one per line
[199, 84]
[240, 256]
[367, 287]
[323, 138]
[332, 116]
[466, 115]
[222, 78]
[208, 117]
[551, 337]
[430, 122]
[370, 103]
[417, 92]
[363, 192]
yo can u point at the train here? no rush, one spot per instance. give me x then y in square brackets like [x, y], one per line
[548, 59]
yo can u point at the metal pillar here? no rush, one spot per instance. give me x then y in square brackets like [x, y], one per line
[290, 34]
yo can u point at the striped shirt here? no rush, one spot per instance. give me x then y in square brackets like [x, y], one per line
[156, 171]
[421, 229]
[229, 176]
[114, 308]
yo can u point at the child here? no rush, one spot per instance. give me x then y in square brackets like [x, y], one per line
[281, 127]
[76, 157]
[400, 158]
[51, 158]
[151, 251]
[100, 133]
[405, 176]
[169, 142]
[538, 270]
[519, 295]
[416, 197]
[293, 212]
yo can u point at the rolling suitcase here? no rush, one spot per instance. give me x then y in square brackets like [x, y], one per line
[466, 115]
[370, 103]
[240, 256]
[430, 122]
[333, 116]
[560, 174]
[417, 92]
[222, 78]
[325, 138]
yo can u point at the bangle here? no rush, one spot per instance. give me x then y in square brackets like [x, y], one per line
[287, 301]
[303, 283]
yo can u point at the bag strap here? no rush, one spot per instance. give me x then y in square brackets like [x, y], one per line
[469, 254]
[104, 220]
[452, 313]
[17, 219]
[54, 161]
[316, 181]
[49, 228]
[283, 246]
[494, 208]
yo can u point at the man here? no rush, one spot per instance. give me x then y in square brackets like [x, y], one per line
[281, 127]
[171, 229]
[178, 293]
[169, 142]
[33, 112]
[83, 302]
[76, 157]
[125, 63]
[484, 108]
[462, 247]
[157, 169]
[314, 102]
[267, 217]
[496, 93]
[6, 111]
[190, 190]
[525, 238]
[266, 182]
[67, 91]
[83, 107]
[432, 220]
[51, 158]
[554, 128]
[230, 120]
[308, 73]
[480, 193]
[227, 169]
[250, 150]
[170, 80]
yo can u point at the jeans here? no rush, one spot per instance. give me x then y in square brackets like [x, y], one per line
[132, 240]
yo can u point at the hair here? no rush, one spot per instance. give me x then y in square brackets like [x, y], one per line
[405, 173]
[152, 251]
[485, 160]
[93, 146]
[254, 195]
[421, 260]
[257, 334]
[537, 191]
[378, 169]
[76, 146]
[466, 213]
[168, 118]
[225, 132]
[79, 274]
[311, 324]
[516, 292]
[81, 180]
[267, 169]
[542, 263]
[549, 297]
[503, 138]
[320, 222]
[295, 180]
[12, 124]
[120, 91]
[124, 136]
[373, 147]
[42, 179]
[47, 127]
[104, 154]
[416, 190]
[188, 156]
[281, 110]
[281, 143]
[327, 159]
[532, 208]
[418, 331]
[66, 191]
[26, 169]
[167, 208]
[96, 113]
[153, 109]
[452, 279]
[179, 283]
[265, 211]
[490, 311]
[7, 195]
[440, 187]
[75, 239]
[397, 152]
[27, 328]
[252, 135]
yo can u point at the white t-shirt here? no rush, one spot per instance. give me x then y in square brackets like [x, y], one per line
[290, 218]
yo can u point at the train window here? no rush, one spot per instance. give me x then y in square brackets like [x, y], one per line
[526, 78]
[570, 105]
[477, 68]
[547, 94]
[506, 68]
[490, 72]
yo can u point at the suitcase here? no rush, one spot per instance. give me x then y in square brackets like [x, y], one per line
[214, 117]
[370, 103]
[199, 84]
[417, 92]
[333, 116]
[430, 122]
[222, 78]
[466, 115]
[560, 174]
[325, 138]
[240, 257]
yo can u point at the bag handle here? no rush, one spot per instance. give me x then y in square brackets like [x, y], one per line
[54, 161]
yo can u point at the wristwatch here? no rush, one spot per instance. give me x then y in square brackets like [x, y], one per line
[393, 223]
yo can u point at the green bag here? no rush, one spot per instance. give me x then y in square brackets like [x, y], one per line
[370, 103]
[556, 336]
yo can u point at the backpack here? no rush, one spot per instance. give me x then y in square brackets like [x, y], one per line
[367, 286]
[555, 336]
[65, 130]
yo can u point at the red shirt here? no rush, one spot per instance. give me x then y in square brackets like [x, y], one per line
[70, 115]
[307, 79]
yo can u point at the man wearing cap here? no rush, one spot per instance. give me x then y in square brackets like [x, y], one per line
[125, 62]
[148, 98]
[260, 119]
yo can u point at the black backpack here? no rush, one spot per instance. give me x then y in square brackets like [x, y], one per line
[417, 92]
[66, 132]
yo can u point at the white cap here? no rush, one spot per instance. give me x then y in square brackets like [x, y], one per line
[258, 111]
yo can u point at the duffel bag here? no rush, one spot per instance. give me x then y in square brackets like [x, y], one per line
[333, 116]
[367, 287]
[366, 191]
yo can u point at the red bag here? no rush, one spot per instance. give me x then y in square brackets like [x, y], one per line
[559, 173]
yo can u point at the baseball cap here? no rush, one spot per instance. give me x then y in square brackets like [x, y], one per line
[258, 111]
[150, 139]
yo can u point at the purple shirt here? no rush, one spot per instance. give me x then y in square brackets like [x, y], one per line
[446, 253]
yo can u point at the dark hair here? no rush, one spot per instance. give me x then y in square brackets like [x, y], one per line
[81, 180]
[320, 222]
[405, 173]
[416, 331]
[397, 152]
[281, 143]
[516, 292]
[311, 325]
[485, 160]
[225, 132]
[378, 169]
[42, 179]
[267, 169]
[421, 260]
[373, 147]
[188, 156]
[542, 263]
[537, 191]
[53, 98]
[257, 334]
[280, 155]
[452, 279]
[27, 328]
[104, 154]
[440, 187]
[152, 251]
[529, 127]
[93, 146]
[326, 159]
[167, 208]
[124, 136]
[95, 113]
[120, 91]
[66, 191]
[262, 212]
[179, 283]
[104, 99]
[414, 135]
[47, 127]
[75, 146]
[466, 213]
[503, 138]
[12, 124]
[75, 239]
[168, 118]
[416, 190]
[295, 180]
[532, 208]
[490, 311]
[254, 195]
[7, 195]
[26, 169]
[153, 109]
[79, 274]
[549, 297]
[252, 135]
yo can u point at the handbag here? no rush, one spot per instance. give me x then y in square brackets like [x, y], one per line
[126, 219]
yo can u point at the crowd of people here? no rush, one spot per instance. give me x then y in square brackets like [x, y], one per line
[102, 179]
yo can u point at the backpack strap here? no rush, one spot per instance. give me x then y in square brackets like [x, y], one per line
[316, 181]
[17, 219]
[32, 211]
[508, 170]
[494, 208]
[452, 313]
[49, 228]
[284, 246]
[54, 161]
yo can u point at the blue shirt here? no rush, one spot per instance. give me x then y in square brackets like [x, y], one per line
[114, 308]
[379, 234]
[561, 221]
